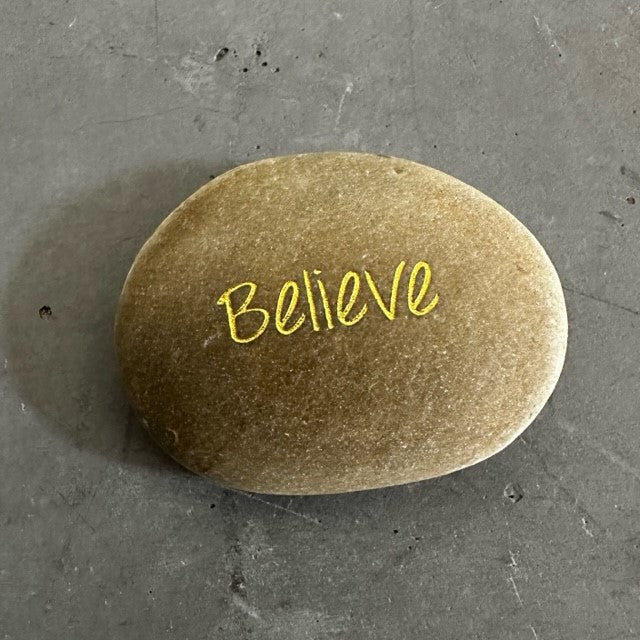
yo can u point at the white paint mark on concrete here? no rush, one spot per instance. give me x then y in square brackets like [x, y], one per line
[348, 89]
[23, 407]
[586, 529]
[244, 606]
[281, 508]
[73, 22]
[535, 635]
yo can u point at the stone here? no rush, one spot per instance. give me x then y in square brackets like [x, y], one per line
[333, 322]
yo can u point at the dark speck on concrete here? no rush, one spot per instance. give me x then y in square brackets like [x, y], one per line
[44, 311]
[633, 175]
[631, 200]
[199, 122]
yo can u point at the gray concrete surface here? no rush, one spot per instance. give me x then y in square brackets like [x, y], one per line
[113, 112]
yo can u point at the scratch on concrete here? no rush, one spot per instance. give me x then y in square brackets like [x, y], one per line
[615, 305]
[515, 590]
[348, 89]
[611, 216]
[143, 116]
[546, 29]
[612, 457]
[535, 635]
[156, 18]
[281, 508]
[514, 563]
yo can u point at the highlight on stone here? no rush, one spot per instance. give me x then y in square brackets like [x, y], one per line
[333, 322]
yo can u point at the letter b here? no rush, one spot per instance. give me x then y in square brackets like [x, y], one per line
[225, 299]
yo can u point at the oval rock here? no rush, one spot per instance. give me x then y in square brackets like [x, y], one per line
[333, 322]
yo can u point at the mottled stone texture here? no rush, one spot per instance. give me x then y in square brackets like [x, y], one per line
[318, 405]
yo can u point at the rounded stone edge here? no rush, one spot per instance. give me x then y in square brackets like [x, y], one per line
[545, 393]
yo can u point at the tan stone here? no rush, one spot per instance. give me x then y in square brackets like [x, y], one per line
[345, 398]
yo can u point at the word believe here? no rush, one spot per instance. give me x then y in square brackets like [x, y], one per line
[345, 313]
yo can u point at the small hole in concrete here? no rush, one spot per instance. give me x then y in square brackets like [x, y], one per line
[221, 53]
[513, 492]
[631, 200]
[44, 312]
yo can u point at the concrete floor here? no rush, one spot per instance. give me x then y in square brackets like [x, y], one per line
[112, 113]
